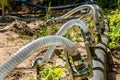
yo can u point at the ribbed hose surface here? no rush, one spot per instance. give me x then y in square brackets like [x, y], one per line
[68, 14]
[78, 9]
[7, 66]
[62, 31]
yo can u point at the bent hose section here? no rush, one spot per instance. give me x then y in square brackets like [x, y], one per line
[87, 39]
[68, 14]
[94, 11]
[63, 30]
[7, 66]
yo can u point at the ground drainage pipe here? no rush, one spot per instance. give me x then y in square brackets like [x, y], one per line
[7, 66]
[99, 62]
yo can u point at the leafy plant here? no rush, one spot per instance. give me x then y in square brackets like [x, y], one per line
[5, 3]
[49, 72]
[108, 3]
[114, 34]
[31, 78]
[47, 16]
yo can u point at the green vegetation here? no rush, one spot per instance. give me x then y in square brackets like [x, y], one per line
[6, 3]
[31, 78]
[113, 17]
[108, 3]
[114, 22]
[50, 72]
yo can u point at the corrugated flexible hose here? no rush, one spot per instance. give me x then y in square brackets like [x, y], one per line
[7, 66]
[62, 31]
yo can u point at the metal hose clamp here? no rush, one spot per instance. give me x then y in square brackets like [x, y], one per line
[81, 68]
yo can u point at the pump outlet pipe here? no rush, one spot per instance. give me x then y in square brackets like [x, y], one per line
[7, 66]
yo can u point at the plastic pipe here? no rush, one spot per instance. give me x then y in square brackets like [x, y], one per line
[99, 63]
[53, 8]
[7, 66]
[94, 11]
[68, 14]
[62, 31]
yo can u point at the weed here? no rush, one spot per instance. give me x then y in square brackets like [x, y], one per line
[47, 16]
[114, 34]
[49, 72]
[31, 78]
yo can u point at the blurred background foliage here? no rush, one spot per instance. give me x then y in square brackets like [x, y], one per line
[103, 3]
[111, 9]
[111, 4]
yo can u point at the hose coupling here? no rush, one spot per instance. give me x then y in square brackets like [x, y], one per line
[77, 66]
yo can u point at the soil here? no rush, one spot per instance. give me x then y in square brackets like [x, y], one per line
[115, 61]
[10, 41]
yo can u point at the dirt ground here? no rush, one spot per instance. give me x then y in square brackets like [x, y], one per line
[115, 64]
[10, 42]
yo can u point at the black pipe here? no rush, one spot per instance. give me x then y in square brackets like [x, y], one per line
[53, 8]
